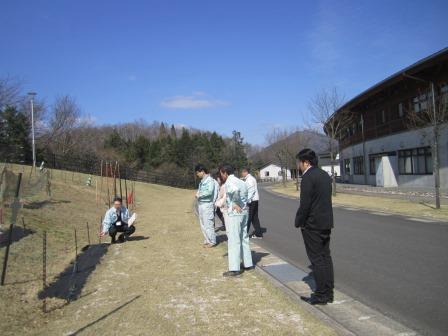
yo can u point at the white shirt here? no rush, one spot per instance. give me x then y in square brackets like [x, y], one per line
[306, 170]
[252, 188]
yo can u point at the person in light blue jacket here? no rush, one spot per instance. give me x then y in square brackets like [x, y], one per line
[116, 220]
[236, 224]
[206, 197]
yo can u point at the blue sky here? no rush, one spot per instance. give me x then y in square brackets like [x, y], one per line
[215, 65]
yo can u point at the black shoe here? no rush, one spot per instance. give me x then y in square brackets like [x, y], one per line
[314, 300]
[121, 238]
[247, 269]
[113, 241]
[254, 236]
[230, 274]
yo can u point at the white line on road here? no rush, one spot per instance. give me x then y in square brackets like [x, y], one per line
[380, 213]
[422, 220]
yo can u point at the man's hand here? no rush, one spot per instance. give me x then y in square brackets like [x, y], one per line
[101, 234]
[237, 208]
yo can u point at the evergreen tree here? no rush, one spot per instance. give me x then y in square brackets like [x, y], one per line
[163, 133]
[173, 132]
[14, 135]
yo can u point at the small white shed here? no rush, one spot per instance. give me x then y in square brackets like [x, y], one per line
[273, 172]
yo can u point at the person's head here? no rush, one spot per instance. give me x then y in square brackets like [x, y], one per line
[217, 176]
[225, 171]
[200, 170]
[244, 171]
[305, 159]
[117, 202]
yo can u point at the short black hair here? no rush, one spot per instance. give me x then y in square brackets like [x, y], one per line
[227, 168]
[200, 168]
[245, 169]
[118, 199]
[307, 155]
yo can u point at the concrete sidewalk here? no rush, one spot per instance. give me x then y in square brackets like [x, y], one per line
[345, 315]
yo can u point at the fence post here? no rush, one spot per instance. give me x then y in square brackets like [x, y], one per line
[101, 229]
[107, 182]
[11, 226]
[119, 178]
[76, 252]
[126, 192]
[44, 270]
[88, 233]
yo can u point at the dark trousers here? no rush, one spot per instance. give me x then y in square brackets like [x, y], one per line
[317, 245]
[126, 229]
[220, 216]
[253, 219]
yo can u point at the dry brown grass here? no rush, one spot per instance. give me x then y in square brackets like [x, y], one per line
[391, 205]
[164, 283]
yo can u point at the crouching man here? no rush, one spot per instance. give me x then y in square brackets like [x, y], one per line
[116, 220]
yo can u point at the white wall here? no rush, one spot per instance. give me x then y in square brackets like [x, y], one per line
[337, 169]
[274, 171]
[405, 140]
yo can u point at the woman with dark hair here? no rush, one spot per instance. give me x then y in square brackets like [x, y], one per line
[220, 203]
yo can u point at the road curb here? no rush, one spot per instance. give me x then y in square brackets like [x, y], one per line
[319, 315]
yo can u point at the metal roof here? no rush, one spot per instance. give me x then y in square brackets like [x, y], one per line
[392, 79]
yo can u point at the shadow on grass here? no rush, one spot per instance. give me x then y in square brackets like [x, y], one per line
[41, 204]
[136, 238]
[77, 332]
[428, 205]
[18, 233]
[68, 285]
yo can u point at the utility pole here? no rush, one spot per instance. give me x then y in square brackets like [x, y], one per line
[32, 95]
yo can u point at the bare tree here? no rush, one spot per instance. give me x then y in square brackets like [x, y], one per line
[10, 92]
[323, 109]
[433, 112]
[65, 117]
[284, 145]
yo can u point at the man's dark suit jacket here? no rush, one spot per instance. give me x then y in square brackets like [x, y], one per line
[315, 211]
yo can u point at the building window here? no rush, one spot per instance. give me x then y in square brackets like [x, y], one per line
[381, 117]
[420, 103]
[347, 166]
[372, 165]
[266, 174]
[400, 110]
[444, 94]
[358, 163]
[416, 161]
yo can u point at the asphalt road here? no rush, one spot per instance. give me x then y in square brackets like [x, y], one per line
[395, 265]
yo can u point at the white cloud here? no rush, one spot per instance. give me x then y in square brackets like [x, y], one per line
[198, 100]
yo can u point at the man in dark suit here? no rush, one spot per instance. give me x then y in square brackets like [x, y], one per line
[315, 218]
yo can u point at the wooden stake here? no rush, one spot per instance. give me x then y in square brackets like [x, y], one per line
[115, 179]
[101, 182]
[119, 178]
[107, 182]
[126, 191]
[44, 271]
[88, 232]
